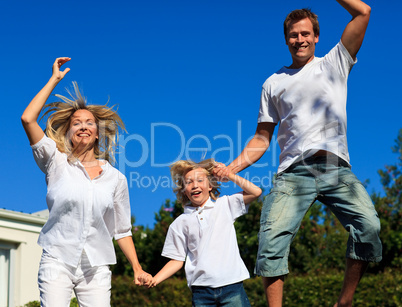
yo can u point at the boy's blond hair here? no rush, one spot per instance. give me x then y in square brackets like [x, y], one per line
[58, 125]
[180, 168]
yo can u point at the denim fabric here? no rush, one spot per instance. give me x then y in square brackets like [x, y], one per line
[294, 191]
[231, 295]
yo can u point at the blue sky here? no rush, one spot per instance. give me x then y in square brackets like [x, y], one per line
[187, 77]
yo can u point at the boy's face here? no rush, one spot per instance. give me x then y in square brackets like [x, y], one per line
[197, 187]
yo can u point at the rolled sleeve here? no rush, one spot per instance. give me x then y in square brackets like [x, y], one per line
[44, 152]
[122, 210]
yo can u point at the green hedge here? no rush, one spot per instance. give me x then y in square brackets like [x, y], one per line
[319, 289]
[315, 289]
[322, 290]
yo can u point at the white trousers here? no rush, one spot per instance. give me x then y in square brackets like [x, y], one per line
[57, 280]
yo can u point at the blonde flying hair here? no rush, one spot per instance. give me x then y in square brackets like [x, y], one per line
[180, 168]
[58, 122]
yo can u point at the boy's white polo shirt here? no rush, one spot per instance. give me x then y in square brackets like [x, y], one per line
[205, 238]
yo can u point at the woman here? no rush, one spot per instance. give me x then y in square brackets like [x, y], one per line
[87, 198]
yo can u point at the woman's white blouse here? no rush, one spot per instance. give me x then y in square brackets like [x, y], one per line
[84, 214]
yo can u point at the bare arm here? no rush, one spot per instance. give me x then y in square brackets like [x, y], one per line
[170, 268]
[353, 35]
[255, 149]
[250, 190]
[126, 244]
[30, 116]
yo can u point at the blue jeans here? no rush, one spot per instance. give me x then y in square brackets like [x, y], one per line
[231, 295]
[294, 191]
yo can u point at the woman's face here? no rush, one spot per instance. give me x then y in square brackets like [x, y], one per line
[83, 129]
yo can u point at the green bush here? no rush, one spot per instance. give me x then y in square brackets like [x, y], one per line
[319, 289]
[173, 292]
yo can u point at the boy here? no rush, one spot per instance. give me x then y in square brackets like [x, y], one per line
[204, 235]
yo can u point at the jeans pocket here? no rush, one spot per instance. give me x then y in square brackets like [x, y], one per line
[274, 204]
[358, 192]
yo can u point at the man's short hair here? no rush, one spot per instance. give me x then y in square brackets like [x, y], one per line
[298, 15]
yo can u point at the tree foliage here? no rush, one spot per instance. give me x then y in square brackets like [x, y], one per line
[389, 209]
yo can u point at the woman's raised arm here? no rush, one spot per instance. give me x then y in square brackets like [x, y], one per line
[30, 116]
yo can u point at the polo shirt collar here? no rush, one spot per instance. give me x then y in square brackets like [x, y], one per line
[208, 205]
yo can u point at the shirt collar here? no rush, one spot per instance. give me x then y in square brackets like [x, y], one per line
[104, 165]
[208, 205]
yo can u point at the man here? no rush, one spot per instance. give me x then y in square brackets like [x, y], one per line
[308, 99]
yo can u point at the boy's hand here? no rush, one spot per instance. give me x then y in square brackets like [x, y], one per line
[152, 283]
[142, 278]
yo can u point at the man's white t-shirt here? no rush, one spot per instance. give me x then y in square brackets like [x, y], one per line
[310, 105]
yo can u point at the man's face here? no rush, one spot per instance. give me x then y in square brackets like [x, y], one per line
[301, 42]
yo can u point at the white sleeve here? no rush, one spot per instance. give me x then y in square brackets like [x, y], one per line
[237, 206]
[175, 246]
[268, 112]
[44, 152]
[340, 59]
[122, 210]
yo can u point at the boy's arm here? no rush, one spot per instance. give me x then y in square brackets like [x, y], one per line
[170, 268]
[352, 37]
[250, 190]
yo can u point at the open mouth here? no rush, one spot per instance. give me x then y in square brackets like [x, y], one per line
[196, 193]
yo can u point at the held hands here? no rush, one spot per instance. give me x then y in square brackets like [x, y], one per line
[57, 74]
[142, 278]
[153, 283]
[147, 280]
[222, 172]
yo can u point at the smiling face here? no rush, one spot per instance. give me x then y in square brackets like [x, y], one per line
[83, 129]
[197, 186]
[301, 42]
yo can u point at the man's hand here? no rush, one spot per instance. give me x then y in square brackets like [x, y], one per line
[221, 172]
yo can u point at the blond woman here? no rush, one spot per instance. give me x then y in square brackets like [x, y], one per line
[87, 197]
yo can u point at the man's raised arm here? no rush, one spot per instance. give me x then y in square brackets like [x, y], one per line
[352, 37]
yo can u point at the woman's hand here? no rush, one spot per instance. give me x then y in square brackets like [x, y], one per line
[30, 116]
[142, 278]
[57, 74]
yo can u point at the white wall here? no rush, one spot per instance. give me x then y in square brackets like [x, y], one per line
[19, 232]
